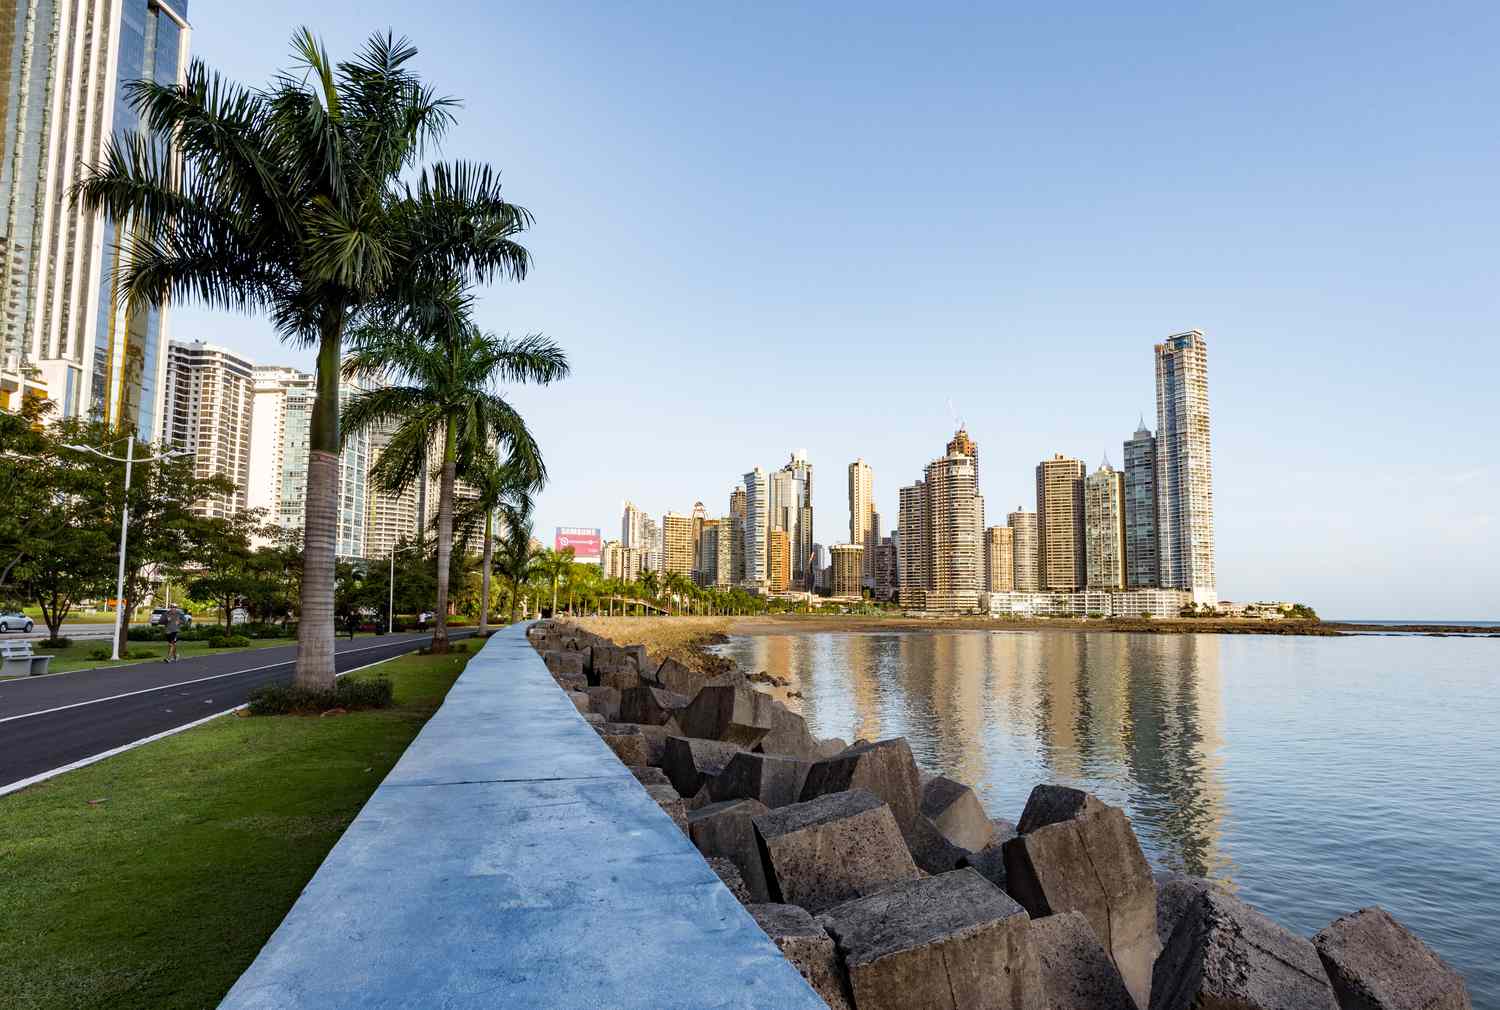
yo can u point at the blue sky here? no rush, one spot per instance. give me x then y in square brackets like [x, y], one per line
[771, 228]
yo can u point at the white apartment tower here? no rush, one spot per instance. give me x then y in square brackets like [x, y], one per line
[391, 518]
[757, 527]
[1184, 468]
[941, 563]
[1104, 528]
[791, 510]
[1024, 550]
[862, 522]
[209, 404]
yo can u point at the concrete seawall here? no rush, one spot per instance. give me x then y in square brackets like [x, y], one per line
[510, 860]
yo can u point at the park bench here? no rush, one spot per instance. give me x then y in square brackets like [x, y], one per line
[20, 661]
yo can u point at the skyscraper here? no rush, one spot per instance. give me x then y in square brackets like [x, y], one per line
[1184, 468]
[653, 545]
[210, 399]
[887, 569]
[1141, 558]
[791, 510]
[757, 525]
[1025, 551]
[677, 544]
[633, 527]
[942, 537]
[999, 559]
[848, 569]
[391, 518]
[1059, 519]
[1104, 527]
[862, 514]
[63, 331]
[962, 444]
[778, 560]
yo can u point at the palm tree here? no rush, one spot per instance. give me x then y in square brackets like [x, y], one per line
[555, 566]
[650, 585]
[515, 557]
[290, 200]
[444, 370]
[490, 485]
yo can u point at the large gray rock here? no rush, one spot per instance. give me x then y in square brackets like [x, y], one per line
[775, 781]
[690, 762]
[1089, 862]
[562, 664]
[789, 735]
[725, 829]
[615, 666]
[605, 701]
[1050, 804]
[1077, 973]
[649, 706]
[831, 849]
[1375, 963]
[656, 743]
[832, 747]
[950, 942]
[951, 828]
[737, 715]
[1225, 954]
[572, 681]
[990, 860]
[626, 741]
[679, 678]
[1175, 894]
[649, 776]
[885, 768]
[810, 949]
[580, 700]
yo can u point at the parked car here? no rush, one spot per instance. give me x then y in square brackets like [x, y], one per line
[160, 613]
[14, 620]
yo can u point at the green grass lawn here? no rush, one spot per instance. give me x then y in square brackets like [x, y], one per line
[76, 656]
[152, 879]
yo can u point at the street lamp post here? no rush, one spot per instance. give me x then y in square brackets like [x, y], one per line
[129, 462]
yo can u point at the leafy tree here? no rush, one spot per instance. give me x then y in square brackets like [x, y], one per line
[303, 200]
[28, 482]
[490, 485]
[225, 566]
[515, 557]
[556, 566]
[444, 370]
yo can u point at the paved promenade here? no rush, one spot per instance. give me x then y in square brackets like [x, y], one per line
[509, 860]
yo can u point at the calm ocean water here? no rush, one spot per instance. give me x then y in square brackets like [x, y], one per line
[1315, 775]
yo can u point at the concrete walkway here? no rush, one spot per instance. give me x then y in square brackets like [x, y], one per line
[509, 860]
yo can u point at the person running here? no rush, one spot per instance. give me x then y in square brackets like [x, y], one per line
[171, 623]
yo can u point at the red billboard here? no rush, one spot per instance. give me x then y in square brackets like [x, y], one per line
[585, 541]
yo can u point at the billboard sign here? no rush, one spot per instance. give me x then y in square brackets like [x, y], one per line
[585, 541]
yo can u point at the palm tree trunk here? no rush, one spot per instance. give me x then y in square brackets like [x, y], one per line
[445, 537]
[489, 554]
[315, 628]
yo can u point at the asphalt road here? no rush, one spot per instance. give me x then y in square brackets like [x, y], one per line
[49, 722]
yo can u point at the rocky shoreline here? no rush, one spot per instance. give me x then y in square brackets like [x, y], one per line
[891, 889]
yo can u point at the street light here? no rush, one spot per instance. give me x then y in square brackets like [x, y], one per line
[390, 607]
[129, 460]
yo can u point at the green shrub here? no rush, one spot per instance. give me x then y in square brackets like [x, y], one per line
[60, 642]
[103, 652]
[222, 641]
[347, 693]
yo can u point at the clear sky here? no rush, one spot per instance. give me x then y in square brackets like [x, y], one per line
[763, 228]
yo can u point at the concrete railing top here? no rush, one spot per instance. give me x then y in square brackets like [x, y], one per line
[510, 860]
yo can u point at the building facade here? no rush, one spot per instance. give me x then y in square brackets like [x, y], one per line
[677, 544]
[1104, 528]
[999, 559]
[962, 445]
[64, 332]
[632, 526]
[391, 518]
[209, 407]
[848, 570]
[1184, 468]
[862, 524]
[1025, 550]
[1137, 603]
[1141, 551]
[941, 567]
[1059, 520]
[778, 560]
[757, 524]
[791, 510]
[887, 570]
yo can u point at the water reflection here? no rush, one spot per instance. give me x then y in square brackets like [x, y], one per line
[1134, 719]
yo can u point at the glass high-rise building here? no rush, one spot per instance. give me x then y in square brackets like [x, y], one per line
[1184, 468]
[64, 334]
[1141, 556]
[757, 527]
[791, 510]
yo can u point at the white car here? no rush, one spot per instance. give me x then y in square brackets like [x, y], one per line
[14, 620]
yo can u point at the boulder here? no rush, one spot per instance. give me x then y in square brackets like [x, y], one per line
[730, 875]
[1050, 804]
[832, 747]
[626, 741]
[990, 860]
[563, 663]
[649, 776]
[571, 681]
[832, 848]
[1089, 862]
[690, 762]
[615, 666]
[726, 829]
[700, 799]
[678, 678]
[789, 736]
[737, 715]
[666, 797]
[950, 942]
[1375, 963]
[656, 743]
[580, 700]
[810, 949]
[886, 769]
[775, 781]
[954, 809]
[1224, 953]
[1077, 973]
[1175, 893]
[650, 706]
[593, 719]
[605, 701]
